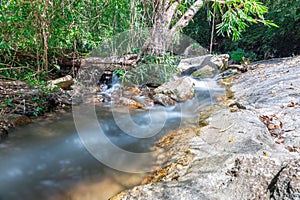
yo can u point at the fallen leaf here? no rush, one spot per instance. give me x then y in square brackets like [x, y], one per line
[231, 139]
[280, 125]
[233, 109]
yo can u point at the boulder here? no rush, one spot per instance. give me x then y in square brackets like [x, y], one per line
[203, 66]
[171, 92]
[163, 100]
[206, 71]
[195, 50]
[193, 62]
[221, 60]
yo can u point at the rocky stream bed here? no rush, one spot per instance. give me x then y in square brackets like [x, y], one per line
[248, 147]
[245, 147]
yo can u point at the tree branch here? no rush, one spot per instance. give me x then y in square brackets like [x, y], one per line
[170, 12]
[188, 15]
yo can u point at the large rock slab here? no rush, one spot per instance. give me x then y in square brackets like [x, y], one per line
[272, 89]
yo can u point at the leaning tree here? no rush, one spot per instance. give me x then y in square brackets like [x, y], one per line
[170, 16]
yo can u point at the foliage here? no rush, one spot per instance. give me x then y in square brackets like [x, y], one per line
[264, 41]
[268, 42]
[7, 103]
[152, 70]
[238, 14]
[33, 33]
[240, 55]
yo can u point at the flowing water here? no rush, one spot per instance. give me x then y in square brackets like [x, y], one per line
[49, 159]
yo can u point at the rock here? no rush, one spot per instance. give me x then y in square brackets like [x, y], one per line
[147, 101]
[221, 60]
[129, 103]
[63, 82]
[203, 66]
[232, 158]
[163, 100]
[205, 72]
[196, 62]
[92, 68]
[13, 85]
[195, 50]
[106, 79]
[179, 90]
[95, 99]
[18, 120]
[272, 90]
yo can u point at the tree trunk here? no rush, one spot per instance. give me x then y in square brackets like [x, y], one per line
[162, 33]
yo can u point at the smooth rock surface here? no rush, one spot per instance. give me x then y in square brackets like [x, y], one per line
[171, 92]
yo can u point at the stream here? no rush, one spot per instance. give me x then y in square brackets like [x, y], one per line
[50, 160]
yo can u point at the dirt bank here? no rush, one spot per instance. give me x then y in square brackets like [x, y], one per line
[20, 103]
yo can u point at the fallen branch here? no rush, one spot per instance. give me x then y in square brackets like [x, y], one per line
[10, 68]
[7, 78]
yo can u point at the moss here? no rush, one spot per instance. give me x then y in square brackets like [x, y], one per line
[204, 74]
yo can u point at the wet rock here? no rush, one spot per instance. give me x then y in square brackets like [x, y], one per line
[94, 99]
[205, 72]
[106, 79]
[129, 103]
[18, 120]
[179, 90]
[203, 66]
[163, 100]
[148, 102]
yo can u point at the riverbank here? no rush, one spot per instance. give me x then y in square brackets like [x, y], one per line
[22, 103]
[250, 148]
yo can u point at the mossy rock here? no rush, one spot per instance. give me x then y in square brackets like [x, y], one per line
[205, 72]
